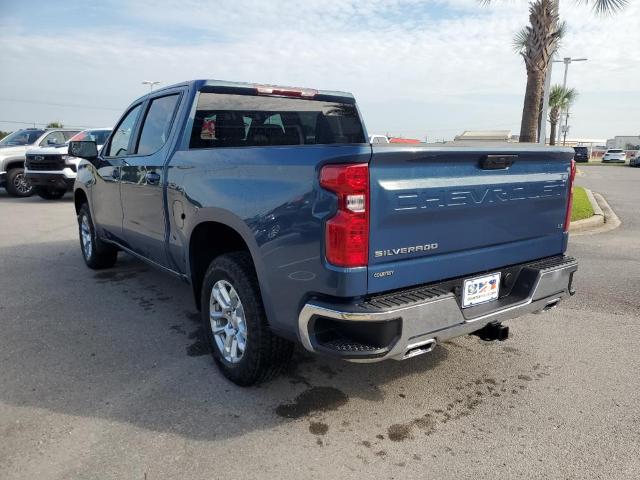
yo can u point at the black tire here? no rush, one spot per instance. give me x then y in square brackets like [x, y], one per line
[265, 355]
[50, 193]
[99, 255]
[17, 185]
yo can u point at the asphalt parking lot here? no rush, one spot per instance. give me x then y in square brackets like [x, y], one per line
[104, 376]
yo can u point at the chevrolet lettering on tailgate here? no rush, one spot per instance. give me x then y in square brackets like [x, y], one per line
[455, 197]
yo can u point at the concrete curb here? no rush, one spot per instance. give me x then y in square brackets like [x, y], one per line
[591, 223]
[603, 220]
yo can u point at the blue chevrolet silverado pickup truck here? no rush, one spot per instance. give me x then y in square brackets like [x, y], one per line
[291, 227]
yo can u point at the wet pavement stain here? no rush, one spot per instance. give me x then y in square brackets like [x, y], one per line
[402, 431]
[318, 428]
[399, 432]
[193, 316]
[178, 328]
[116, 276]
[464, 405]
[313, 400]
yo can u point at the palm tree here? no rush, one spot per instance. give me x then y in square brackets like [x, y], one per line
[537, 43]
[560, 99]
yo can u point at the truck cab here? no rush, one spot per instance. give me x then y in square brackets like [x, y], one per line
[292, 228]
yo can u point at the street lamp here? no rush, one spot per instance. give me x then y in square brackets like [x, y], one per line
[151, 83]
[566, 61]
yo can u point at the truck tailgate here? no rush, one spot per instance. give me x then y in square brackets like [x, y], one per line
[439, 213]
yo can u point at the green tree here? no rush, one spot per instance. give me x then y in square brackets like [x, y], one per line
[3, 134]
[537, 43]
[560, 98]
[55, 124]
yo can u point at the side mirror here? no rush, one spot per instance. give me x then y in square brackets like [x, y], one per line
[83, 149]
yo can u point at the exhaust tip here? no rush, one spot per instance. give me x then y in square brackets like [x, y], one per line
[419, 348]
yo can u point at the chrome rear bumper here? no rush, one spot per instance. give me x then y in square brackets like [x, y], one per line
[428, 315]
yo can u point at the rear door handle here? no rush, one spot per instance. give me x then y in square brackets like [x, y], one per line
[152, 178]
[497, 162]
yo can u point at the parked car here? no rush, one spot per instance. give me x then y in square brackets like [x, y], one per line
[52, 171]
[13, 149]
[373, 139]
[291, 227]
[614, 155]
[581, 154]
[635, 161]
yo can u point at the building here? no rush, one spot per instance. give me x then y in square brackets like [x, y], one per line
[592, 143]
[625, 142]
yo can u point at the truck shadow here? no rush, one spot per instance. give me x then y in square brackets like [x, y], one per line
[123, 344]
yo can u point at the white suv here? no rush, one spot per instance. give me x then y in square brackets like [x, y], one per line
[614, 155]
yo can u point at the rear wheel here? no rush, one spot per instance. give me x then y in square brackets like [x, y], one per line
[97, 254]
[50, 193]
[235, 323]
[17, 183]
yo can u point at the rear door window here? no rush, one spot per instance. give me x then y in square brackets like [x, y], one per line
[228, 120]
[157, 124]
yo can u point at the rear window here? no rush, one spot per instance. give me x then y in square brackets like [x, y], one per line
[614, 151]
[226, 120]
[580, 149]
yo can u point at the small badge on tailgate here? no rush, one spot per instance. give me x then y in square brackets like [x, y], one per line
[481, 289]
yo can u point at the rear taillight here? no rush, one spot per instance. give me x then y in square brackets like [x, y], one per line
[347, 232]
[572, 176]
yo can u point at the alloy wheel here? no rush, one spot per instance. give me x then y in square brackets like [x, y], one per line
[228, 321]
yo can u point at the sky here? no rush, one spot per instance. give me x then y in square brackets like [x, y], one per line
[418, 68]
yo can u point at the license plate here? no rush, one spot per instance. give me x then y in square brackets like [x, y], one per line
[481, 289]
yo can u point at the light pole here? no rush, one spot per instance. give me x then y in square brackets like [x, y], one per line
[151, 83]
[566, 61]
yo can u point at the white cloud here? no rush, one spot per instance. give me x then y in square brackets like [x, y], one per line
[450, 71]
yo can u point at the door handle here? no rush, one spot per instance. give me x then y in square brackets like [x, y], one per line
[152, 178]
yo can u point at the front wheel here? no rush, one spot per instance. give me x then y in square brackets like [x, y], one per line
[97, 254]
[235, 322]
[17, 183]
[50, 193]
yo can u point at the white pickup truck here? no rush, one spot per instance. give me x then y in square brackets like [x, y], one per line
[51, 171]
[13, 148]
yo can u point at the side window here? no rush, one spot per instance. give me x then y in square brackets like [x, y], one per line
[119, 146]
[54, 138]
[157, 124]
